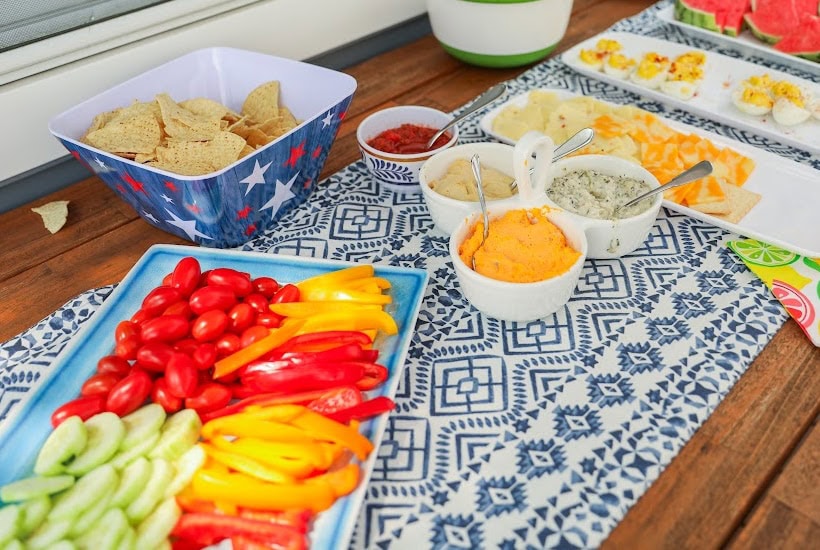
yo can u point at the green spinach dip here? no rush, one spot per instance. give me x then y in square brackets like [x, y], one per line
[596, 195]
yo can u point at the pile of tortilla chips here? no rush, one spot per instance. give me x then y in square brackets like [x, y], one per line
[193, 137]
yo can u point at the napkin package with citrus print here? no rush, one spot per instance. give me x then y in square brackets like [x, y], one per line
[793, 279]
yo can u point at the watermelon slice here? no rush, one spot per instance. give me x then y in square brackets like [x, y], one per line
[804, 40]
[724, 16]
[772, 20]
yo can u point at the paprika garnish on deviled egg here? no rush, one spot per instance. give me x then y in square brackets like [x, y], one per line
[651, 70]
[789, 103]
[596, 58]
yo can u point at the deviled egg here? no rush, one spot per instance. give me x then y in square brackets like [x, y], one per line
[752, 100]
[595, 58]
[792, 103]
[619, 65]
[682, 80]
[651, 70]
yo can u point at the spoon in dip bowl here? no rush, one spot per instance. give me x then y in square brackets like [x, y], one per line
[476, 165]
[700, 170]
[576, 142]
[490, 95]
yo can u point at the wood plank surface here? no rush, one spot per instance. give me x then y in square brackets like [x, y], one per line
[747, 479]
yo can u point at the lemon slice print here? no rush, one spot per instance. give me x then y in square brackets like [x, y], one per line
[762, 254]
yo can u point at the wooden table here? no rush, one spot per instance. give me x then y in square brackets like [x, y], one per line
[748, 478]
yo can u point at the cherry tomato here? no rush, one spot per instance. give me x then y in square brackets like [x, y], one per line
[269, 319]
[204, 356]
[210, 325]
[258, 302]
[154, 356]
[240, 283]
[185, 277]
[228, 344]
[212, 297]
[167, 328]
[253, 334]
[181, 375]
[141, 316]
[159, 299]
[266, 286]
[163, 397]
[84, 407]
[113, 364]
[126, 329]
[203, 279]
[99, 384]
[166, 281]
[127, 348]
[288, 293]
[209, 397]
[179, 308]
[241, 316]
[129, 393]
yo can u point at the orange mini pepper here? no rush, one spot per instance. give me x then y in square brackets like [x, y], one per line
[250, 425]
[246, 465]
[330, 430]
[238, 359]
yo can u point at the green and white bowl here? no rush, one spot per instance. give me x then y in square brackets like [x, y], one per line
[499, 33]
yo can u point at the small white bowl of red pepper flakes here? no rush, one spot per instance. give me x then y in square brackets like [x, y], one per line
[393, 143]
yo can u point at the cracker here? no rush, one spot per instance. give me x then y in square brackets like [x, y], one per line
[741, 201]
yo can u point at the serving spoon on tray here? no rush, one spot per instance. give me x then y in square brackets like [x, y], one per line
[699, 170]
[490, 95]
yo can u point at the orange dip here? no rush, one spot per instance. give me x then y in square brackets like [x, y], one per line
[523, 247]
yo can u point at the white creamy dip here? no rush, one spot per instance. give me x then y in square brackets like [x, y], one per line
[596, 195]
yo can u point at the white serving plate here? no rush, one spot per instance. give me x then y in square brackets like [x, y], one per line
[744, 40]
[713, 99]
[786, 214]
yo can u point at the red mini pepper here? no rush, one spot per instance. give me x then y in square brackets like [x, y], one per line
[363, 410]
[209, 529]
[285, 377]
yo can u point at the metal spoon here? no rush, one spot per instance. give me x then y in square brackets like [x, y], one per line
[490, 95]
[700, 170]
[474, 162]
[578, 141]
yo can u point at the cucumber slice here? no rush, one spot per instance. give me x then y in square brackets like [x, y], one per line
[84, 493]
[128, 540]
[179, 433]
[107, 533]
[186, 467]
[33, 487]
[161, 476]
[65, 442]
[11, 518]
[164, 545]
[142, 424]
[158, 525]
[124, 458]
[63, 545]
[89, 518]
[134, 477]
[14, 544]
[105, 433]
[34, 513]
[50, 532]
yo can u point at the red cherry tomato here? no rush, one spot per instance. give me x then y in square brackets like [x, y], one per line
[241, 316]
[167, 328]
[129, 393]
[212, 297]
[258, 302]
[186, 345]
[210, 325]
[159, 299]
[228, 344]
[266, 286]
[179, 308]
[99, 384]
[113, 364]
[163, 397]
[253, 334]
[185, 277]
[209, 397]
[154, 356]
[127, 348]
[141, 316]
[288, 293]
[126, 329]
[84, 407]
[269, 319]
[204, 356]
[166, 281]
[181, 375]
[240, 283]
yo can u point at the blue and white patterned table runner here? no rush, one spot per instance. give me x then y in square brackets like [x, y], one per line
[520, 435]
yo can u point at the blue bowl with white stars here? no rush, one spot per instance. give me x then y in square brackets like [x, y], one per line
[228, 207]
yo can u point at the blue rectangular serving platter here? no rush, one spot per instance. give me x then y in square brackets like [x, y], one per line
[22, 438]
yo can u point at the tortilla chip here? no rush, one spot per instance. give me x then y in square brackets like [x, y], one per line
[184, 125]
[194, 158]
[140, 133]
[263, 102]
[208, 108]
[54, 215]
[256, 138]
[741, 201]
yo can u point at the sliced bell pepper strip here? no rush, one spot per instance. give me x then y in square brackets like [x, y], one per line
[366, 283]
[247, 491]
[259, 449]
[364, 410]
[342, 481]
[246, 465]
[343, 294]
[330, 430]
[256, 350]
[322, 340]
[344, 352]
[344, 320]
[298, 519]
[336, 400]
[374, 374]
[264, 400]
[247, 425]
[296, 467]
[335, 277]
[298, 378]
[306, 309]
[208, 529]
[226, 508]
